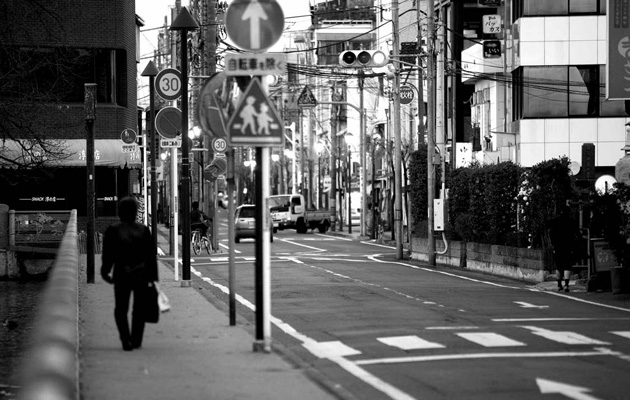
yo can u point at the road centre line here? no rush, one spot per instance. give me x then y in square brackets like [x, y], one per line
[373, 258]
[476, 356]
[361, 282]
[313, 346]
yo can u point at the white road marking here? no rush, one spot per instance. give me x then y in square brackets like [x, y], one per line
[453, 328]
[227, 247]
[489, 339]
[565, 337]
[393, 392]
[625, 334]
[473, 356]
[373, 258]
[529, 305]
[302, 245]
[410, 342]
[556, 319]
[330, 349]
[372, 243]
[335, 237]
[571, 391]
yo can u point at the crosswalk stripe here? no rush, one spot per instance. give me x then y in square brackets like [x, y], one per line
[410, 342]
[625, 334]
[489, 339]
[565, 337]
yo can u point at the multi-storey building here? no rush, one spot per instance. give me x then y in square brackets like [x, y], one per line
[547, 97]
[58, 48]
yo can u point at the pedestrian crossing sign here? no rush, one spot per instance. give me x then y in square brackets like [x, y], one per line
[255, 122]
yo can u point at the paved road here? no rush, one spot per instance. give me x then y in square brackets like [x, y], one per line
[380, 328]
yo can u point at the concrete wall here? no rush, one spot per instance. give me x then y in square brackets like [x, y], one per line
[512, 262]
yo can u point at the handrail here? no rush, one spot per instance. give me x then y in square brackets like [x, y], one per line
[50, 369]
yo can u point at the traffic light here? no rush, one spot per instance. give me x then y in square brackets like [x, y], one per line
[363, 58]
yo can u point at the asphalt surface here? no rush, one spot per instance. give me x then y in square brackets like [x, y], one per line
[191, 353]
[194, 353]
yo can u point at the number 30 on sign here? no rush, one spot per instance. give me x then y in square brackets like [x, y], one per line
[168, 84]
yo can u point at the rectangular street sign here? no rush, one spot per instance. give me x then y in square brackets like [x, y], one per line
[255, 64]
[166, 143]
[129, 148]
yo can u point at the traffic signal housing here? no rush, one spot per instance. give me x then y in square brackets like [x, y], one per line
[363, 58]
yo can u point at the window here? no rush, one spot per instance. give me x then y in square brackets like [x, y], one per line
[583, 90]
[63, 72]
[531, 8]
[545, 92]
[103, 67]
[562, 91]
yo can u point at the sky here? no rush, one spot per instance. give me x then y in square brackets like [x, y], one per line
[154, 11]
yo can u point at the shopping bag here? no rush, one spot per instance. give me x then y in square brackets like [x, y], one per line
[163, 303]
[151, 306]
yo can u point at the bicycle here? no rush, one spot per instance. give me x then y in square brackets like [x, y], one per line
[197, 241]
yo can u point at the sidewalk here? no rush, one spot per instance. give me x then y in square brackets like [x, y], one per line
[192, 353]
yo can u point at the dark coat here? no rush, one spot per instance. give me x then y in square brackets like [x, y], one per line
[128, 245]
[565, 240]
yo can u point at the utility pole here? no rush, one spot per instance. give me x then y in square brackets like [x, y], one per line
[333, 161]
[398, 221]
[431, 128]
[421, 128]
[362, 140]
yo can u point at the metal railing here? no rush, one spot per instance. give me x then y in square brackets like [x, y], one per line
[51, 366]
[37, 228]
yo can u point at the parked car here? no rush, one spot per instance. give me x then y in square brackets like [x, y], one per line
[245, 223]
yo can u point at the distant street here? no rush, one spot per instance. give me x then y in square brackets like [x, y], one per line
[372, 327]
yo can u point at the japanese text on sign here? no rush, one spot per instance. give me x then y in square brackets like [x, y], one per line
[254, 64]
[170, 143]
[492, 24]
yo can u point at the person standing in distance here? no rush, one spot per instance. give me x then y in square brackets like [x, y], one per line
[129, 249]
[564, 238]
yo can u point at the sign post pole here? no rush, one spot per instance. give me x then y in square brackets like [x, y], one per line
[256, 26]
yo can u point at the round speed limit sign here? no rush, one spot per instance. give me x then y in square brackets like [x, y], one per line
[219, 145]
[168, 84]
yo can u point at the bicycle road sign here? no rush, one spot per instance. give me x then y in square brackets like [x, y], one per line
[255, 121]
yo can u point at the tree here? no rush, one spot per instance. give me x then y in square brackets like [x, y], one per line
[35, 82]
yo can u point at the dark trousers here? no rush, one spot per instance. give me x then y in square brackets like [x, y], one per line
[122, 295]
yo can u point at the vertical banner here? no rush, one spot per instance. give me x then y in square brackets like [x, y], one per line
[618, 45]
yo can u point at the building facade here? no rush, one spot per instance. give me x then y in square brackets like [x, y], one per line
[59, 47]
[546, 97]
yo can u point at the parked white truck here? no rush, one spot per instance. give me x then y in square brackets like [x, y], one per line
[288, 211]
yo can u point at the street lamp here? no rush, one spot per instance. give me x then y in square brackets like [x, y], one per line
[184, 23]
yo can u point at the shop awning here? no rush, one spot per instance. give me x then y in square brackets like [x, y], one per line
[107, 153]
